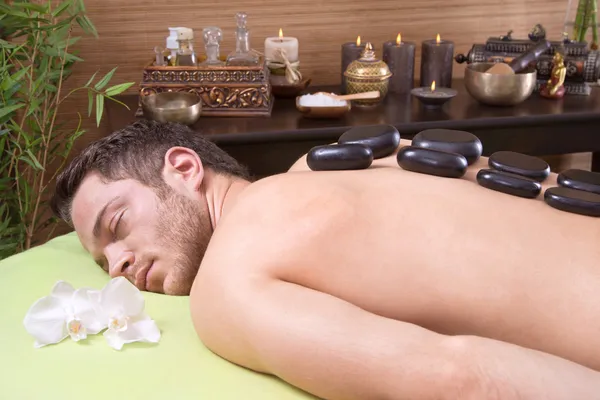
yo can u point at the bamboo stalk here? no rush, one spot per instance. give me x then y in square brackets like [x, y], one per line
[579, 19]
[594, 24]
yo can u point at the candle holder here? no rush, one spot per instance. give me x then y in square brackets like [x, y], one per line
[433, 98]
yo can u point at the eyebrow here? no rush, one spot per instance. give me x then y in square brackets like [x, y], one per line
[100, 217]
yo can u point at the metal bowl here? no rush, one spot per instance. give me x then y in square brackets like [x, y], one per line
[182, 107]
[497, 89]
[323, 112]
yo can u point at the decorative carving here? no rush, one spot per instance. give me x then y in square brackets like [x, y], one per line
[224, 90]
[155, 76]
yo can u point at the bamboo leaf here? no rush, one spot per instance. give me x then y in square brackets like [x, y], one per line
[99, 108]
[7, 110]
[102, 82]
[91, 79]
[71, 57]
[31, 6]
[11, 11]
[70, 42]
[118, 89]
[51, 88]
[61, 8]
[90, 102]
[34, 160]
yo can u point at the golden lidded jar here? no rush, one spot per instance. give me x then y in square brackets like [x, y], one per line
[367, 74]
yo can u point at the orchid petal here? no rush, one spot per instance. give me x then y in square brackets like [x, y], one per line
[45, 321]
[113, 339]
[63, 291]
[144, 330]
[86, 311]
[120, 297]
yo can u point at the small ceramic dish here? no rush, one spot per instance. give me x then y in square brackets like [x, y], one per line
[282, 89]
[323, 112]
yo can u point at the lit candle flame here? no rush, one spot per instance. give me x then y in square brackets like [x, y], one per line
[358, 41]
[280, 33]
[433, 86]
[437, 39]
[399, 39]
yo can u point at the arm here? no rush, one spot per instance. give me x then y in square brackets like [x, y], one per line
[335, 350]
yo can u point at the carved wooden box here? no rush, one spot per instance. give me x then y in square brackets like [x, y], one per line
[228, 91]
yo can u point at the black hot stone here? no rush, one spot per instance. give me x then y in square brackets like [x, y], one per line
[508, 183]
[383, 140]
[573, 201]
[338, 157]
[520, 164]
[452, 141]
[432, 162]
[580, 179]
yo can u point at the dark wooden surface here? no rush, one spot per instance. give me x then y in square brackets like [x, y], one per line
[271, 144]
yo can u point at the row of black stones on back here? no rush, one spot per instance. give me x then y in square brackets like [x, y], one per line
[578, 191]
[448, 153]
[355, 149]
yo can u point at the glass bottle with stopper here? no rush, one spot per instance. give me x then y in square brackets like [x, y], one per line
[242, 56]
[212, 40]
[185, 54]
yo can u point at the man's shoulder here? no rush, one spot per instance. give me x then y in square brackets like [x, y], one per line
[278, 214]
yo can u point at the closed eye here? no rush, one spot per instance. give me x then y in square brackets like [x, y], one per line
[116, 234]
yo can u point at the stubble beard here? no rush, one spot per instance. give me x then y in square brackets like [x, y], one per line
[185, 230]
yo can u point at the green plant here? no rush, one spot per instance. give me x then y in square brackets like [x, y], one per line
[586, 19]
[36, 57]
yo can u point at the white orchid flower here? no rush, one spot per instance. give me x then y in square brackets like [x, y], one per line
[122, 307]
[65, 312]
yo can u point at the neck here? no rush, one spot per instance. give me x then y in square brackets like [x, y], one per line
[221, 193]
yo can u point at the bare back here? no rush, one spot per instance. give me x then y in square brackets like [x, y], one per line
[443, 254]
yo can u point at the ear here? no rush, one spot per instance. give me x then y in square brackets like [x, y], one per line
[183, 168]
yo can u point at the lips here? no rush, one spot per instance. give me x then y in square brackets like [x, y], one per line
[141, 277]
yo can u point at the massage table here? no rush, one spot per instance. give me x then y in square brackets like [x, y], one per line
[178, 367]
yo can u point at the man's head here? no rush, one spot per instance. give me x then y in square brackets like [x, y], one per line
[138, 202]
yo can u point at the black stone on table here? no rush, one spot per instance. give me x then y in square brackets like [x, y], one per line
[452, 141]
[580, 179]
[432, 162]
[508, 183]
[573, 201]
[383, 140]
[520, 164]
[339, 157]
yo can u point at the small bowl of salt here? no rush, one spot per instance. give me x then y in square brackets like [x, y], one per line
[322, 105]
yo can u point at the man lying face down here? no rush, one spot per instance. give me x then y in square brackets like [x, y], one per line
[366, 284]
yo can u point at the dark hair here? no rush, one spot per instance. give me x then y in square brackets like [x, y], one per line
[137, 152]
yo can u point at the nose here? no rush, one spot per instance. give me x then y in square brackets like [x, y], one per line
[119, 261]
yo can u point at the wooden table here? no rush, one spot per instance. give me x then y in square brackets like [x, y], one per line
[270, 145]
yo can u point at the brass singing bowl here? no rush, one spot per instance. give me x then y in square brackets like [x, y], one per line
[182, 107]
[323, 112]
[498, 89]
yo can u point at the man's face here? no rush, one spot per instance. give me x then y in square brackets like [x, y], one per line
[157, 242]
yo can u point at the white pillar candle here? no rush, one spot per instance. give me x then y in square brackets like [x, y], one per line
[288, 44]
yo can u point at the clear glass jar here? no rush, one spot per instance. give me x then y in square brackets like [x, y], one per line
[243, 55]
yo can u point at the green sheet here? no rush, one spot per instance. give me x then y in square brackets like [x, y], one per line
[178, 367]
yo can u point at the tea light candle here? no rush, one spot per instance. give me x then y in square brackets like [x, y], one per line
[431, 97]
[351, 51]
[436, 62]
[286, 43]
[400, 58]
